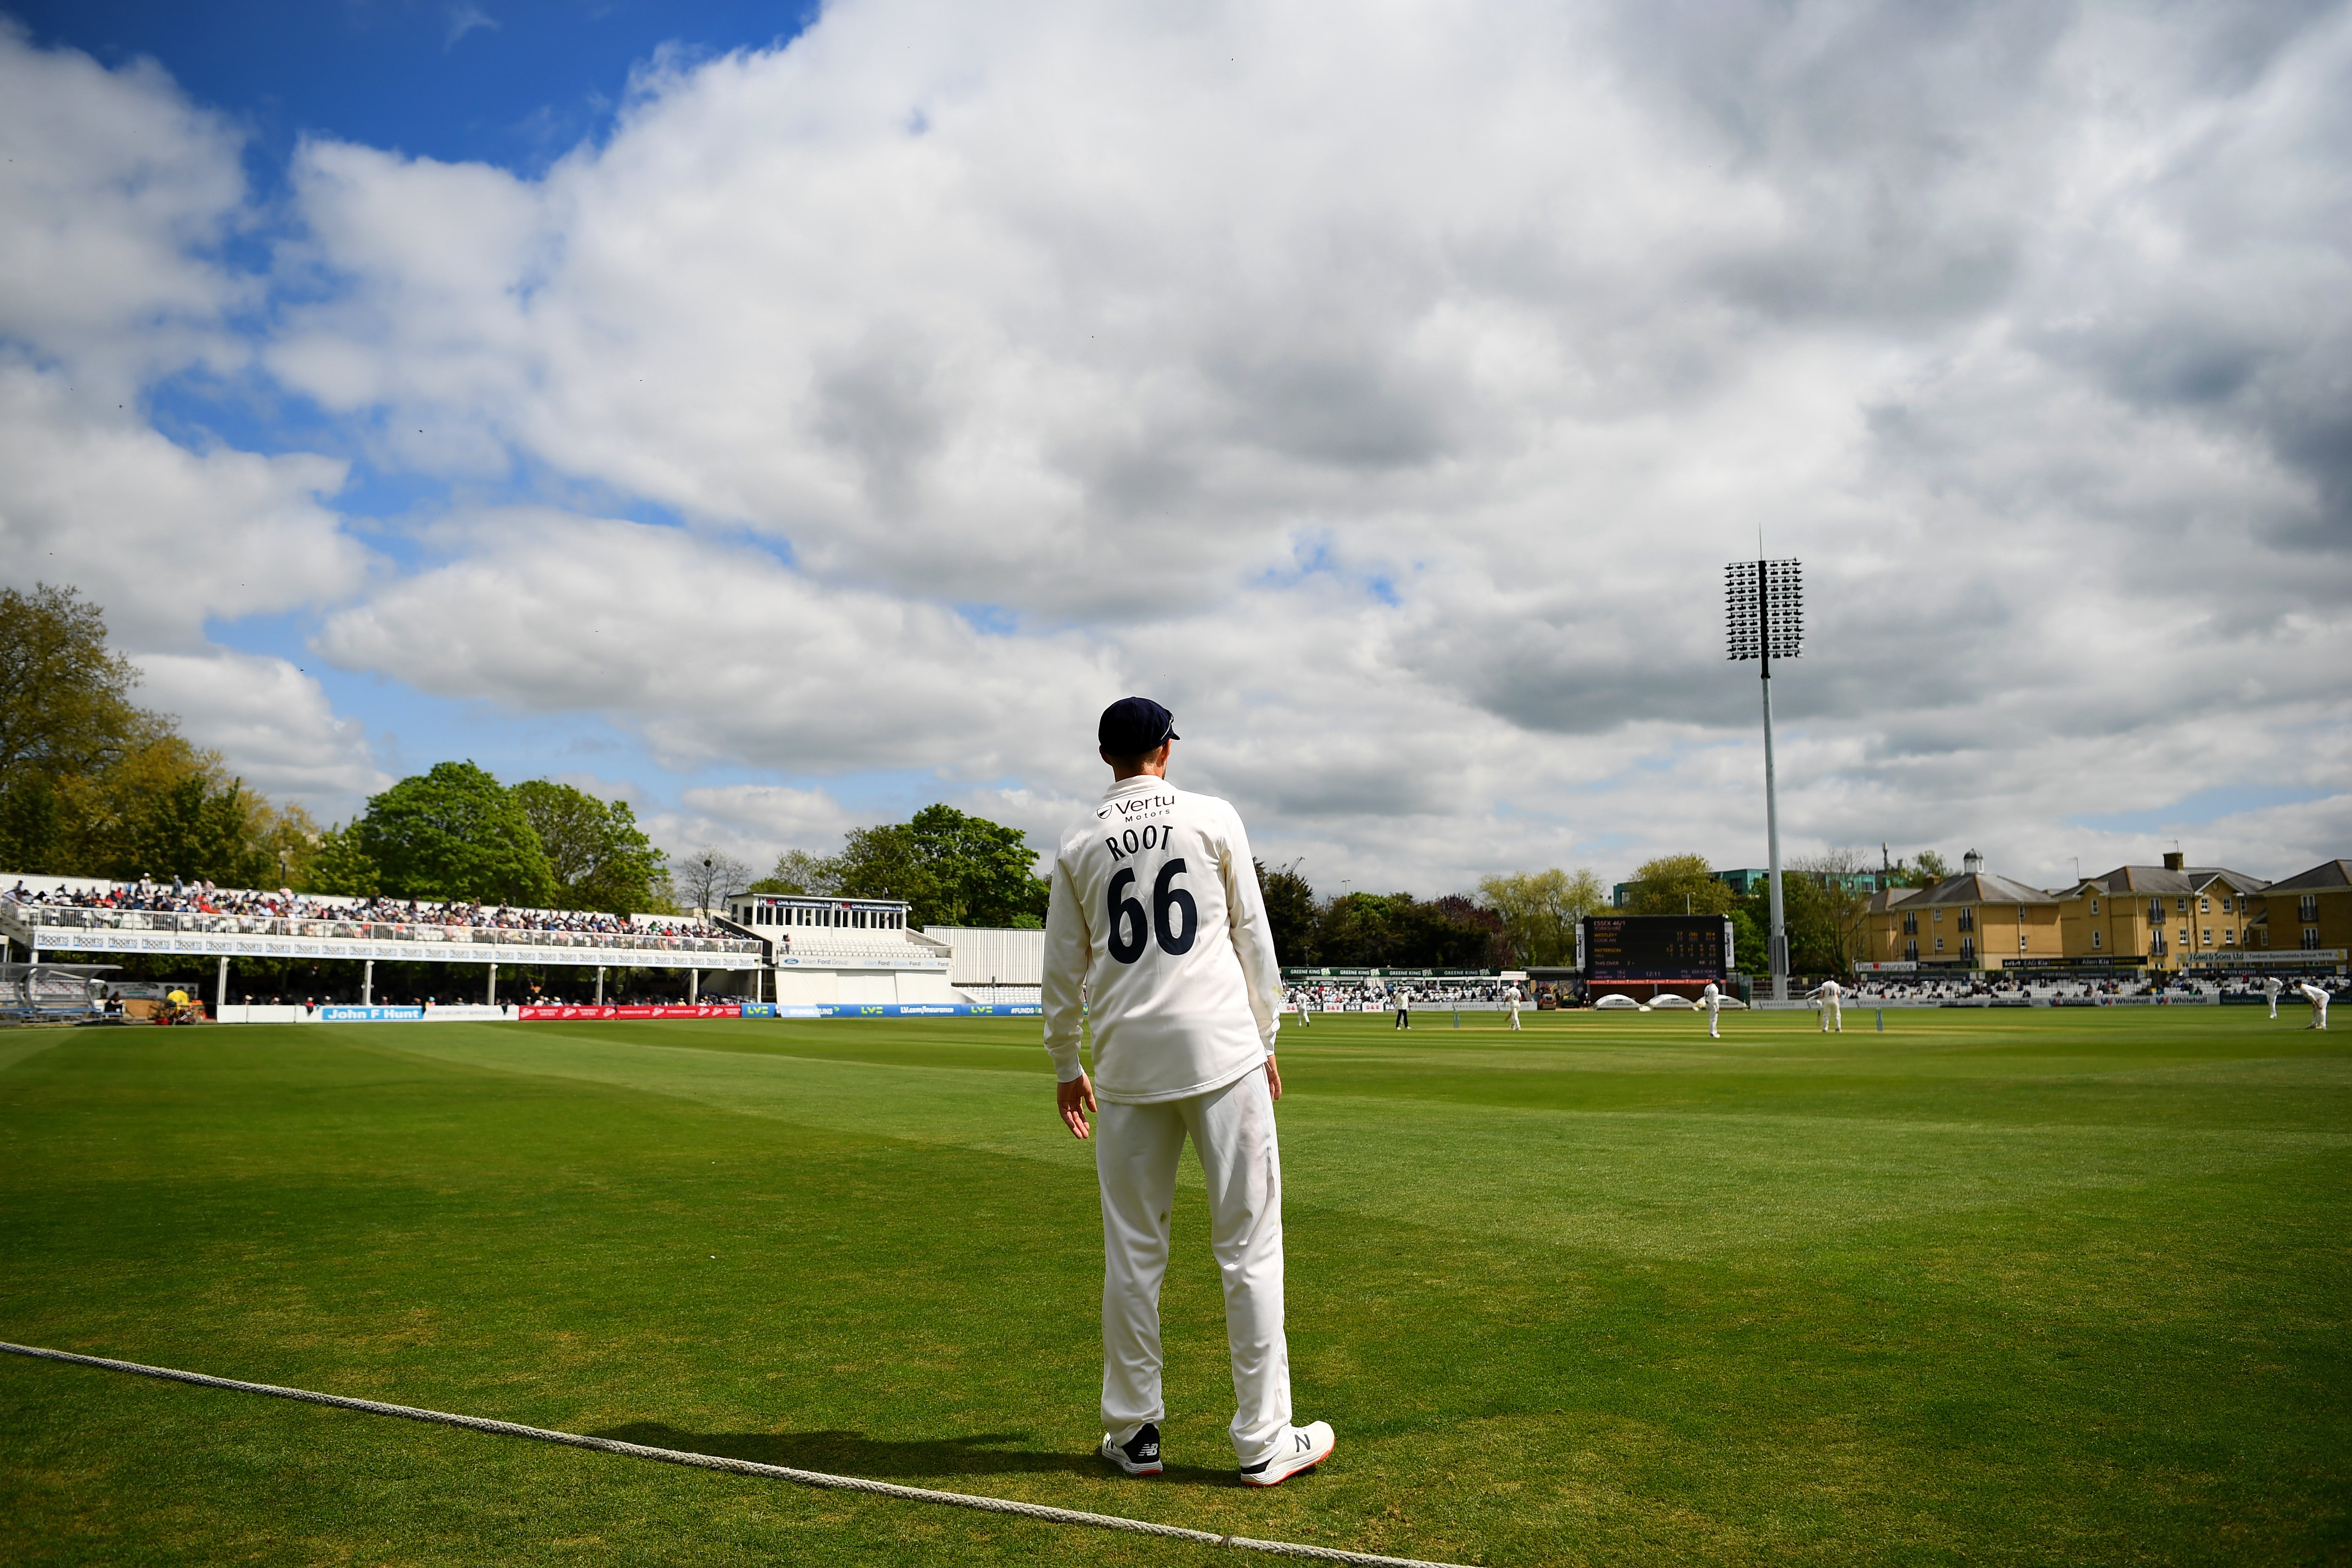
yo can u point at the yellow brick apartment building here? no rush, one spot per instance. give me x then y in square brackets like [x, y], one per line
[2164, 914]
[2162, 918]
[1973, 920]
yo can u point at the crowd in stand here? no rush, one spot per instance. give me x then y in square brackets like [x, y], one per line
[1899, 989]
[1429, 994]
[177, 897]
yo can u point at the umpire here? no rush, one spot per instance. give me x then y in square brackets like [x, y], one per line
[1156, 937]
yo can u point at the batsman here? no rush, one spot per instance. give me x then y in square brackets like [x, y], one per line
[1156, 937]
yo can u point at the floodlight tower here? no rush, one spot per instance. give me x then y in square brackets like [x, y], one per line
[1764, 619]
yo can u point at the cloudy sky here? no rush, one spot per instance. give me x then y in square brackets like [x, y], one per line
[785, 418]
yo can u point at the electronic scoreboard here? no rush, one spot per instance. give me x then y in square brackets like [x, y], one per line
[1654, 947]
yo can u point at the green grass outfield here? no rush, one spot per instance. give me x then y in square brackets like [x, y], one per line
[1987, 1287]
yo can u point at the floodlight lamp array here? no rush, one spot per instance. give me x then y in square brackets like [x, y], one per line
[1764, 609]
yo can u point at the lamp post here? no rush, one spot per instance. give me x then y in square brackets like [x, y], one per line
[1764, 619]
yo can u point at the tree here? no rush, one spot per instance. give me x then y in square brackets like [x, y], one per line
[65, 697]
[1290, 913]
[1397, 931]
[1932, 867]
[192, 830]
[66, 728]
[1750, 951]
[454, 833]
[708, 876]
[951, 869]
[341, 865]
[1823, 919]
[881, 862]
[595, 853]
[982, 873]
[1835, 928]
[796, 871]
[1539, 910]
[1680, 884]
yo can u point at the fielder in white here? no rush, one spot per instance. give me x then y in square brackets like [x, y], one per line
[1829, 991]
[2271, 989]
[1514, 993]
[1711, 1000]
[1156, 920]
[2317, 996]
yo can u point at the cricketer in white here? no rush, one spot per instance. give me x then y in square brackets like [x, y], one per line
[1156, 937]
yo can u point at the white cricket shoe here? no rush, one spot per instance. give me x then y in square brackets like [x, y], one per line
[1300, 1450]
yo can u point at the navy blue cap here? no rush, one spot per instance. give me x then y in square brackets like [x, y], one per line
[1134, 725]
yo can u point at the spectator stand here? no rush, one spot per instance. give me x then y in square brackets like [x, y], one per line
[55, 915]
[828, 950]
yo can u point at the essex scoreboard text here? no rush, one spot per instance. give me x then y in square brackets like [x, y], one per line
[1654, 947]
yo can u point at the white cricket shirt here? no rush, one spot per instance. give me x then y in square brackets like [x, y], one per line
[1156, 921]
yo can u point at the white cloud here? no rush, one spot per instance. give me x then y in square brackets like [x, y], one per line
[271, 719]
[711, 650]
[1384, 391]
[117, 192]
[164, 538]
[754, 823]
[464, 19]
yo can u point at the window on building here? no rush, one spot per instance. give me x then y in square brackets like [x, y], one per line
[1911, 950]
[2309, 909]
[1911, 924]
[2204, 906]
[1969, 949]
[2311, 936]
[2021, 938]
[2184, 936]
[2156, 912]
[1939, 944]
[2094, 937]
[1967, 920]
[1939, 917]
[2229, 936]
[2094, 906]
[2209, 936]
[2225, 903]
[2184, 905]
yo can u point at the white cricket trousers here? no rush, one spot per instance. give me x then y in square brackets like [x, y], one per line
[1136, 1147]
[1832, 1018]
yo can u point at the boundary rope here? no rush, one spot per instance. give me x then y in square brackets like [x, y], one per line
[737, 1467]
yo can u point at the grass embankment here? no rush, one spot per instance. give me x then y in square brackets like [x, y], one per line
[1984, 1287]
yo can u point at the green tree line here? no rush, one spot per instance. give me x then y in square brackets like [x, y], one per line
[1512, 922]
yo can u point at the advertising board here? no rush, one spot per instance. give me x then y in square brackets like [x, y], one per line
[642, 1010]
